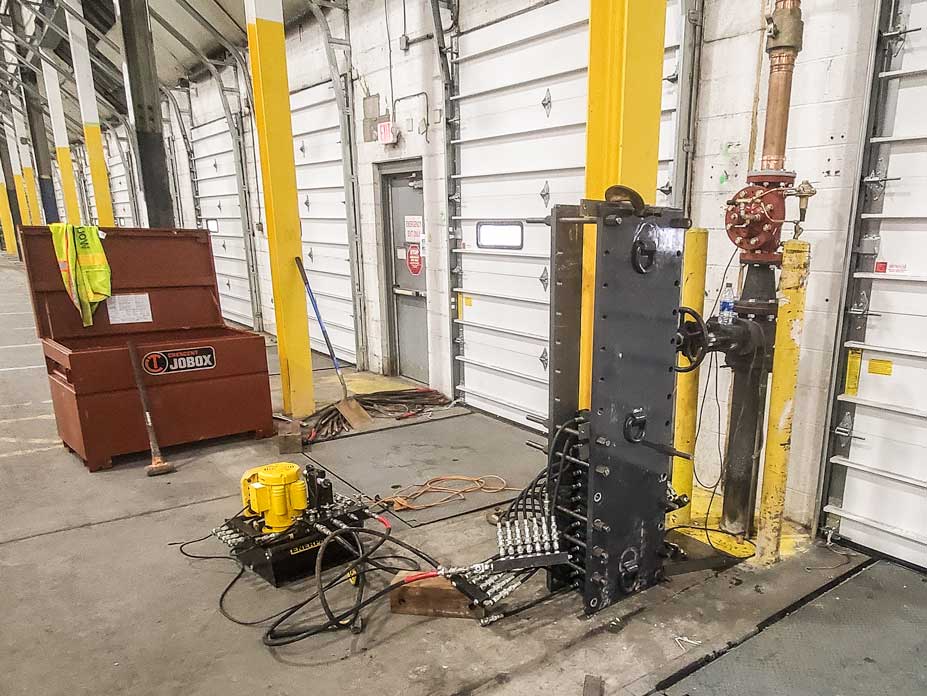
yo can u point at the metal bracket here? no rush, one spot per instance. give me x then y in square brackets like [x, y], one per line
[544, 278]
[845, 429]
[545, 194]
[546, 103]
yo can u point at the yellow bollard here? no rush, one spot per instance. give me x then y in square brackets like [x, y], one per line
[694, 263]
[795, 264]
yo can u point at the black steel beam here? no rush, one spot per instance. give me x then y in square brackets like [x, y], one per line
[144, 96]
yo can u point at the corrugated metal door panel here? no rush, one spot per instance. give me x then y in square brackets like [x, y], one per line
[85, 182]
[59, 193]
[120, 185]
[877, 488]
[323, 216]
[521, 148]
[220, 211]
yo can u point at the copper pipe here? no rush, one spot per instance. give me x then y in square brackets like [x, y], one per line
[779, 96]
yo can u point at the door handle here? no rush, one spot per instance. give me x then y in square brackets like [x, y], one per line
[407, 293]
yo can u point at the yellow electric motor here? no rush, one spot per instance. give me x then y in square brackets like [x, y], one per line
[276, 491]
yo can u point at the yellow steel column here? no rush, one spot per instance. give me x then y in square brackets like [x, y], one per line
[62, 146]
[267, 53]
[86, 95]
[694, 263]
[796, 257]
[6, 218]
[623, 127]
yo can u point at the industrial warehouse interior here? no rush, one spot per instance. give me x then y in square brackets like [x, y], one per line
[463, 347]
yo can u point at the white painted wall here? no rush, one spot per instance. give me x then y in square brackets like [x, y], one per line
[823, 144]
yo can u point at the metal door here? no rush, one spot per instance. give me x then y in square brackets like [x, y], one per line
[324, 217]
[875, 490]
[520, 149]
[407, 252]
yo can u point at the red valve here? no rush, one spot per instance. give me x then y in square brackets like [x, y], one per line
[755, 216]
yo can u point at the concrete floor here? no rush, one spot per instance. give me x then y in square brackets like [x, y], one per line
[96, 601]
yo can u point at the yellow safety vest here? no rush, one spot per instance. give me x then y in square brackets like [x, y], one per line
[83, 265]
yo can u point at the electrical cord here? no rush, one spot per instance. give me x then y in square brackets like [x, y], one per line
[356, 572]
[275, 636]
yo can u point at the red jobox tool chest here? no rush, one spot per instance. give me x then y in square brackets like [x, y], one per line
[204, 379]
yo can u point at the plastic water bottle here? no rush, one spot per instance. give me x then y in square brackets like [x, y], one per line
[726, 315]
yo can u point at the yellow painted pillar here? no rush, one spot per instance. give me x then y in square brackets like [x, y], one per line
[86, 95]
[796, 258]
[626, 40]
[62, 145]
[267, 54]
[6, 219]
[694, 264]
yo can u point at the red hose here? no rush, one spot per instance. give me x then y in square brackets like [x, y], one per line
[382, 520]
[419, 576]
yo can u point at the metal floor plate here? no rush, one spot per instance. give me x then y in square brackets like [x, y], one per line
[380, 463]
[865, 636]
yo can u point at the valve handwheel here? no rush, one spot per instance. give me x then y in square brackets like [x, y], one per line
[691, 339]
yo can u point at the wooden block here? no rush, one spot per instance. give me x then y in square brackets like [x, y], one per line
[431, 597]
[289, 437]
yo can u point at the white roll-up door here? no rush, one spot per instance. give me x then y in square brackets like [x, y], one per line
[59, 191]
[876, 492]
[522, 103]
[220, 211]
[85, 186]
[323, 216]
[121, 186]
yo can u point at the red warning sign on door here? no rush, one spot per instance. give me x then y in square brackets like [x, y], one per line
[414, 259]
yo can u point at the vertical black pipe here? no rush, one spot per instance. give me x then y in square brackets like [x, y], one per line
[740, 468]
[35, 117]
[142, 90]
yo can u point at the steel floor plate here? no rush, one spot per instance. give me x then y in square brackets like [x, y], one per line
[382, 462]
[865, 636]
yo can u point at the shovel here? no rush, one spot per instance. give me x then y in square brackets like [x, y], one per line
[355, 414]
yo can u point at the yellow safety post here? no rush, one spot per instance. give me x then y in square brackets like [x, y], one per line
[694, 264]
[796, 257]
[90, 115]
[267, 54]
[62, 145]
[623, 126]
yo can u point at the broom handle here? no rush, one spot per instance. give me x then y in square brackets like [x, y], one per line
[318, 315]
